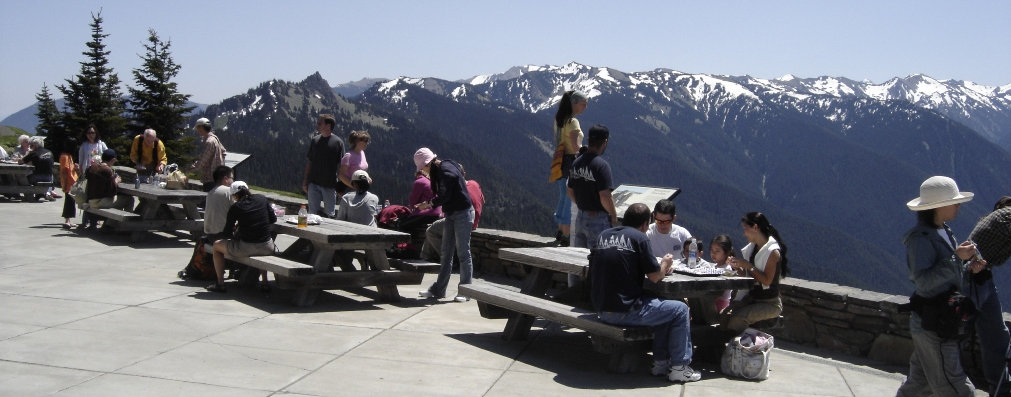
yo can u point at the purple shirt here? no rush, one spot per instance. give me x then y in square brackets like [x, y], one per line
[354, 161]
[421, 191]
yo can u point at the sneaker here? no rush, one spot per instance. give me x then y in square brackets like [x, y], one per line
[428, 295]
[660, 368]
[220, 288]
[683, 373]
[460, 298]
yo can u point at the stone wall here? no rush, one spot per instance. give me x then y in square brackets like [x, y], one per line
[830, 316]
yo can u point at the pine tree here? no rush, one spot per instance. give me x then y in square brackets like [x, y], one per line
[51, 123]
[94, 97]
[156, 102]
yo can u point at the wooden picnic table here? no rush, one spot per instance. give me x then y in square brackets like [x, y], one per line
[329, 237]
[157, 209]
[14, 180]
[544, 261]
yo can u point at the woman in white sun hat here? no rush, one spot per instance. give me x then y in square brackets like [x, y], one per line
[937, 266]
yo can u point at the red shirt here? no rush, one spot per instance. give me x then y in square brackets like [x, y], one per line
[476, 199]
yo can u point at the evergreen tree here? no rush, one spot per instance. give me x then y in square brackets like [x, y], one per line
[156, 102]
[93, 96]
[51, 123]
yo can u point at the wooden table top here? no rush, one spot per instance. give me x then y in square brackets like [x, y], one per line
[152, 192]
[334, 231]
[573, 260]
[15, 168]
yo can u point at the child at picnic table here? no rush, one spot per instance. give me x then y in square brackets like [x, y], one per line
[720, 250]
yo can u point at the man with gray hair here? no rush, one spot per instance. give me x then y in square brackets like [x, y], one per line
[148, 154]
[212, 155]
[42, 159]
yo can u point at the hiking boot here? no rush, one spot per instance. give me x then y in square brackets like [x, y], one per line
[683, 373]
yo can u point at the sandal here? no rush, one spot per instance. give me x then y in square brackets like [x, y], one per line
[216, 288]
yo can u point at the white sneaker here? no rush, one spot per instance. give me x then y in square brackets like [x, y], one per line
[427, 294]
[460, 298]
[660, 368]
[683, 373]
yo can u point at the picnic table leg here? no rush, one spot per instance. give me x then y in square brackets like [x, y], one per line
[377, 259]
[518, 325]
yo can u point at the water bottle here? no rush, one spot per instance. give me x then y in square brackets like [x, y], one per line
[136, 182]
[693, 253]
[303, 217]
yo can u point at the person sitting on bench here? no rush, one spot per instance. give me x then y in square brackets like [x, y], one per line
[620, 259]
[254, 216]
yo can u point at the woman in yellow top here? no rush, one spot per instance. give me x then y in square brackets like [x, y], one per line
[569, 136]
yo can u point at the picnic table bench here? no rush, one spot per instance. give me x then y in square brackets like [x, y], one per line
[325, 241]
[522, 307]
[14, 181]
[158, 209]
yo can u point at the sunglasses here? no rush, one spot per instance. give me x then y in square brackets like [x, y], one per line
[663, 221]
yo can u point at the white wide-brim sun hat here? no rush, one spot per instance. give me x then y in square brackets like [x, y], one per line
[937, 192]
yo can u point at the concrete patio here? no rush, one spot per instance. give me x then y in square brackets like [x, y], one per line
[91, 314]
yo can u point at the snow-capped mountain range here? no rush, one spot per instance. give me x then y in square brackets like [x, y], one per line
[985, 109]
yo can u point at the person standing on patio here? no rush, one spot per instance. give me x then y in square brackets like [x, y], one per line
[590, 186]
[992, 236]
[320, 180]
[620, 259]
[212, 155]
[450, 188]
[148, 154]
[937, 266]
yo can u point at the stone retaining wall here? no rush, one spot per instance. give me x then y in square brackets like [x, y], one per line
[830, 316]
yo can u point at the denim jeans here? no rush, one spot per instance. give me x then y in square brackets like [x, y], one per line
[993, 336]
[327, 195]
[670, 322]
[585, 232]
[563, 213]
[455, 234]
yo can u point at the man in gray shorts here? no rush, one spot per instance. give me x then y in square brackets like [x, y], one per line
[253, 215]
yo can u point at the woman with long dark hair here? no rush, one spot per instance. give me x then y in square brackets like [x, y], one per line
[569, 137]
[937, 265]
[91, 148]
[764, 261]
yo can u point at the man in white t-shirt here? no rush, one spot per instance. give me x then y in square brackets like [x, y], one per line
[664, 236]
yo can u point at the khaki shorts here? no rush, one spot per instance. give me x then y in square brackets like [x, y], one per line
[238, 247]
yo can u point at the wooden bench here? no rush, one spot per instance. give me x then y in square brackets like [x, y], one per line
[415, 265]
[114, 214]
[625, 345]
[307, 283]
[39, 188]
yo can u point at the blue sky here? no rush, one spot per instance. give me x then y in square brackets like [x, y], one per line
[226, 47]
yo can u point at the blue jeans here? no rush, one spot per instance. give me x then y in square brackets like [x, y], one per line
[585, 233]
[993, 335]
[455, 234]
[327, 195]
[563, 211]
[672, 342]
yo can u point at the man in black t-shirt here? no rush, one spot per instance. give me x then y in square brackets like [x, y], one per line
[320, 181]
[590, 187]
[622, 257]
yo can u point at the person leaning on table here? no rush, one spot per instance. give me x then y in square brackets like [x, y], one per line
[103, 188]
[252, 216]
[937, 265]
[621, 258]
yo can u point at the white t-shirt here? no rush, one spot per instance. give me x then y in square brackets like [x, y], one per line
[219, 200]
[671, 243]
